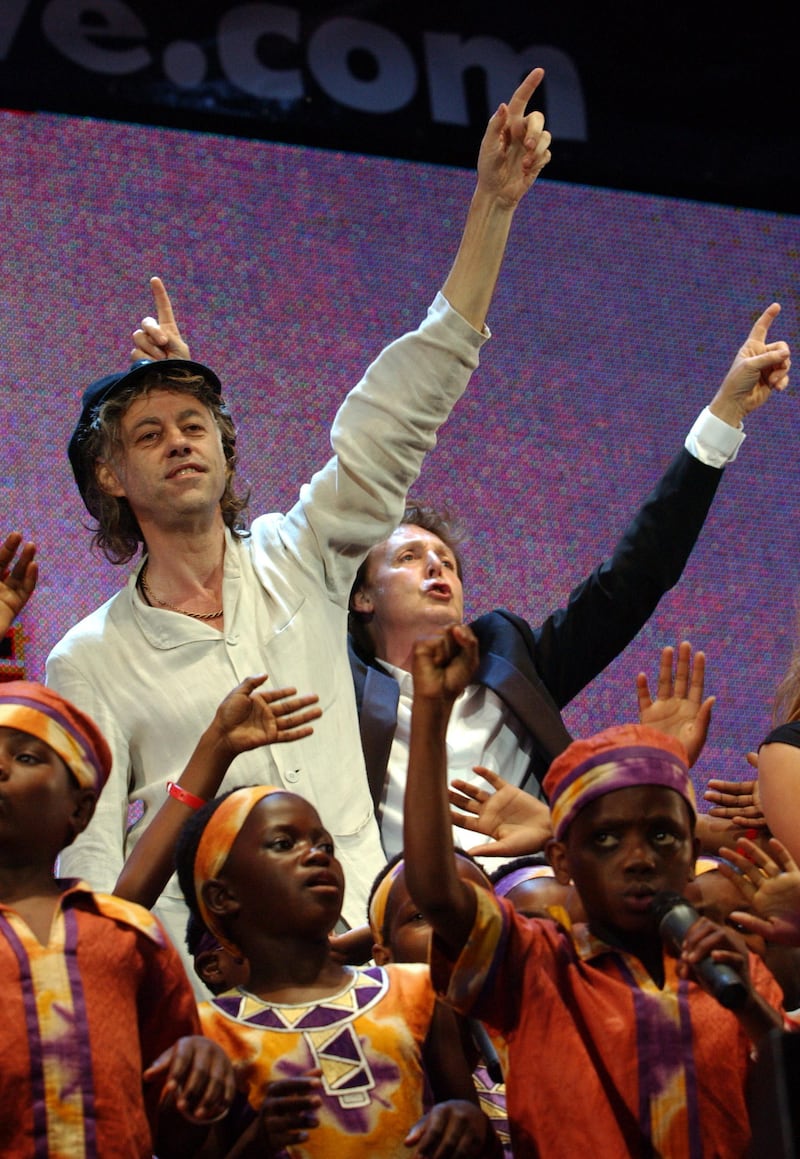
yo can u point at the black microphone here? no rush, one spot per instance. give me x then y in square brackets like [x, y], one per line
[675, 917]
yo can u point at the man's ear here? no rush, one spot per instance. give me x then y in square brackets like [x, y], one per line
[219, 898]
[556, 854]
[108, 480]
[362, 602]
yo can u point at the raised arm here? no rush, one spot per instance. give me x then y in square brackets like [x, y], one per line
[158, 338]
[779, 792]
[246, 719]
[514, 150]
[442, 667]
[606, 611]
[389, 421]
[17, 578]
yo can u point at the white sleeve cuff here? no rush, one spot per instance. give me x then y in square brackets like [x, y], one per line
[713, 441]
[441, 306]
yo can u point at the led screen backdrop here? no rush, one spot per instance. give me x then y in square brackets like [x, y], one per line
[616, 317]
[655, 97]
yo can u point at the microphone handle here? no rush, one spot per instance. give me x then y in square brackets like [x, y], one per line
[485, 1045]
[723, 981]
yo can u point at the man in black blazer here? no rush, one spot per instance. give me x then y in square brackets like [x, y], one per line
[410, 586]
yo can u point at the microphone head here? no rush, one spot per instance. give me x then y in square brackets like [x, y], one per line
[664, 902]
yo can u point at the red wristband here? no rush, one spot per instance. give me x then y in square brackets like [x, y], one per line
[184, 796]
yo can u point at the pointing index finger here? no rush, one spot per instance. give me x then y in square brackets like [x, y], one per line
[762, 324]
[163, 305]
[523, 94]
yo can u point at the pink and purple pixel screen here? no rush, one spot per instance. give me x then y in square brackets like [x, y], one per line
[614, 322]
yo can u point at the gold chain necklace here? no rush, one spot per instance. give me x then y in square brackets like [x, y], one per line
[150, 596]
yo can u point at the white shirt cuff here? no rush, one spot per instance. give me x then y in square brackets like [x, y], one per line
[713, 441]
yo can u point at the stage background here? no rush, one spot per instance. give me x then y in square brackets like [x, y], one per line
[290, 268]
[677, 99]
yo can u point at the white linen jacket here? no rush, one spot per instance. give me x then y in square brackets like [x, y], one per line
[152, 678]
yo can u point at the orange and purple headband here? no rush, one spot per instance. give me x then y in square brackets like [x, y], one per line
[379, 901]
[626, 756]
[519, 876]
[215, 845]
[32, 708]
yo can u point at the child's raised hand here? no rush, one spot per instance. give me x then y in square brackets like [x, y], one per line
[247, 719]
[16, 582]
[289, 1111]
[679, 708]
[517, 822]
[198, 1079]
[769, 883]
[444, 665]
[738, 801]
[455, 1129]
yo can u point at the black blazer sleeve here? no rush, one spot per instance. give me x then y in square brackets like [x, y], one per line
[605, 612]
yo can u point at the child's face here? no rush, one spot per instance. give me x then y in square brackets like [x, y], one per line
[282, 869]
[409, 934]
[41, 806]
[621, 850]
